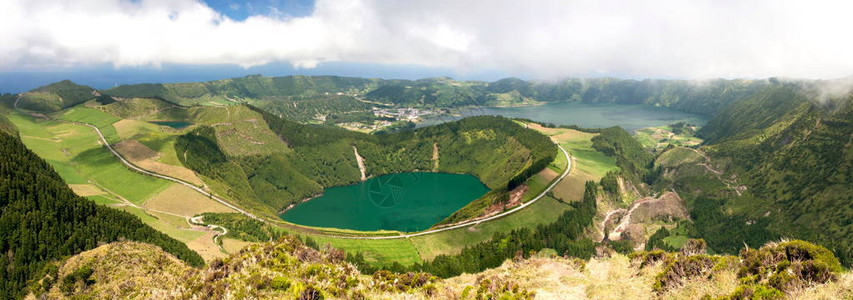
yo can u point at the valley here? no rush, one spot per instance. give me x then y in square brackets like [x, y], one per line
[222, 176]
[414, 150]
[406, 202]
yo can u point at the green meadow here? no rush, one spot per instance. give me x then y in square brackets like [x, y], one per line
[77, 155]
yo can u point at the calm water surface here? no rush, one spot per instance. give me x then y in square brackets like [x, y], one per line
[173, 124]
[415, 201]
[630, 117]
[406, 201]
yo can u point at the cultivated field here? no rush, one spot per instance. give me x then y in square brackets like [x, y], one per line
[179, 199]
[588, 163]
[143, 157]
[76, 153]
[382, 252]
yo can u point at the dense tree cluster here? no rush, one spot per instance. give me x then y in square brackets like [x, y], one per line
[565, 236]
[242, 227]
[791, 157]
[630, 155]
[43, 220]
[494, 149]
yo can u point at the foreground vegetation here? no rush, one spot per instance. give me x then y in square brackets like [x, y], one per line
[289, 268]
[772, 156]
[44, 220]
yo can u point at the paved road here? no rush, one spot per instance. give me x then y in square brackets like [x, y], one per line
[143, 171]
[217, 199]
[504, 214]
[197, 220]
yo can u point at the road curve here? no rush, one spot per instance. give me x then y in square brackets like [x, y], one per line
[143, 171]
[503, 214]
[408, 235]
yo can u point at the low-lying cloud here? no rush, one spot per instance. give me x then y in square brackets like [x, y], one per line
[545, 39]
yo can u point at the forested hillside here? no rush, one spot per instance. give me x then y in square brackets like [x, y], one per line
[495, 149]
[299, 98]
[781, 165]
[303, 98]
[43, 220]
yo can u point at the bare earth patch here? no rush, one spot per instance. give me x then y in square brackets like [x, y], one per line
[146, 158]
[548, 174]
[205, 246]
[571, 188]
[84, 190]
[179, 199]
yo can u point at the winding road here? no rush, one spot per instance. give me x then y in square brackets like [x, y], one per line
[503, 214]
[407, 235]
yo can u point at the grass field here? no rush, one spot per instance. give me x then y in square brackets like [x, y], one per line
[157, 221]
[205, 246]
[179, 199]
[158, 138]
[94, 117]
[77, 155]
[146, 158]
[677, 156]
[381, 252]
[660, 137]
[588, 164]
[103, 200]
[544, 211]
[233, 245]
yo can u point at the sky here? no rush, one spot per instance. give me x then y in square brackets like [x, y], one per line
[107, 42]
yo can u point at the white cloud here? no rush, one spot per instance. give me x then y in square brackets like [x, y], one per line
[639, 38]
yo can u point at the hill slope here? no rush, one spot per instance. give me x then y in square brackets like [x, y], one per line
[289, 269]
[499, 152]
[779, 162]
[43, 220]
[56, 96]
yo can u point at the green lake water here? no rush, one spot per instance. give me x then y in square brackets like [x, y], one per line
[416, 201]
[630, 117]
[406, 201]
[173, 124]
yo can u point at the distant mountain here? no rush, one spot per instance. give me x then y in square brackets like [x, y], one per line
[56, 96]
[496, 150]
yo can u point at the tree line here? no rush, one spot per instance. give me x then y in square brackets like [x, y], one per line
[43, 220]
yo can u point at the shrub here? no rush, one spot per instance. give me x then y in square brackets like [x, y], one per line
[646, 258]
[80, 277]
[622, 246]
[693, 247]
[789, 265]
[756, 292]
[280, 283]
[683, 268]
